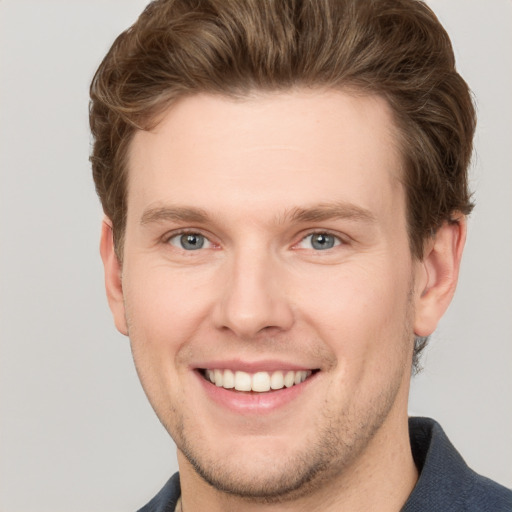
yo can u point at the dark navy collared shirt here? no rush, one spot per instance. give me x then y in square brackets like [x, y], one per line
[445, 484]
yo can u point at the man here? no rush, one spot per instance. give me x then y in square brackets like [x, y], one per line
[285, 193]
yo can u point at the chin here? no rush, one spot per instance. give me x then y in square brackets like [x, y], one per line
[261, 479]
[267, 469]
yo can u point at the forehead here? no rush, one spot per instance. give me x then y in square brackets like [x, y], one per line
[269, 152]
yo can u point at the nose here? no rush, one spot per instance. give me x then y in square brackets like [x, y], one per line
[253, 298]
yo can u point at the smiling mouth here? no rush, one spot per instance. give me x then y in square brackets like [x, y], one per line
[259, 382]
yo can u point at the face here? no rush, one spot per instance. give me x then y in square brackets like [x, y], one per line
[268, 285]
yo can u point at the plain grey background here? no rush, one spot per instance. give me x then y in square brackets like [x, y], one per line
[76, 432]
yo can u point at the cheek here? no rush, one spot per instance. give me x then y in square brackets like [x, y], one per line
[162, 313]
[163, 306]
[361, 314]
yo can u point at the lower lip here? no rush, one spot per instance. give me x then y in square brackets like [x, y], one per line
[253, 403]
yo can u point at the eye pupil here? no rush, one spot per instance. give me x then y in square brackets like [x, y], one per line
[322, 241]
[192, 241]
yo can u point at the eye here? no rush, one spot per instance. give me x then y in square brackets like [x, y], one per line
[189, 241]
[319, 241]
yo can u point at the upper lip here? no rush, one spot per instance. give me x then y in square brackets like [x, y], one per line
[266, 365]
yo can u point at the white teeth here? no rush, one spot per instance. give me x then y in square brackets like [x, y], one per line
[277, 380]
[243, 381]
[218, 377]
[300, 377]
[259, 382]
[228, 380]
[289, 379]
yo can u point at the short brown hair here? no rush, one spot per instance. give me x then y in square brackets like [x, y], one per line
[393, 48]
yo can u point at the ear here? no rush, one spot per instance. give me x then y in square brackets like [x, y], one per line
[113, 280]
[439, 272]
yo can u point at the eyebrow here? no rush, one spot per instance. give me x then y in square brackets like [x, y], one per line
[330, 211]
[176, 214]
[317, 213]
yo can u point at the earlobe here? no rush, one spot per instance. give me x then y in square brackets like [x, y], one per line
[439, 275]
[113, 281]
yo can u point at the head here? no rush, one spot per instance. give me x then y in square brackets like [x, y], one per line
[188, 60]
[394, 49]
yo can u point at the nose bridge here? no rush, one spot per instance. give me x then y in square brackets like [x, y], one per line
[254, 297]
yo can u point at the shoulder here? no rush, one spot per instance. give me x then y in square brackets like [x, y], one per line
[446, 482]
[487, 495]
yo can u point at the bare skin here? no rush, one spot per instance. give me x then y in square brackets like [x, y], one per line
[264, 236]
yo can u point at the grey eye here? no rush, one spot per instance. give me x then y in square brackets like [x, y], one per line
[319, 241]
[189, 241]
